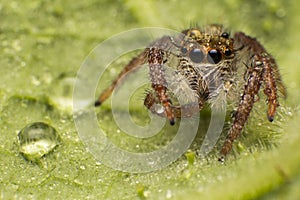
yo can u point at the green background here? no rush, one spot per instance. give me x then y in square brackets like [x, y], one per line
[43, 44]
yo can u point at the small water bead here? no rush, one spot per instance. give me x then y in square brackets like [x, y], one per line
[159, 108]
[61, 94]
[169, 194]
[36, 140]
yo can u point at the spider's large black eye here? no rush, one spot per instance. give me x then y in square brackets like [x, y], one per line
[196, 55]
[214, 56]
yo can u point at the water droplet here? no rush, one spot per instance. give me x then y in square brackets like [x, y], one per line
[82, 167]
[281, 13]
[61, 94]
[35, 81]
[16, 45]
[159, 108]
[147, 193]
[98, 163]
[169, 194]
[36, 140]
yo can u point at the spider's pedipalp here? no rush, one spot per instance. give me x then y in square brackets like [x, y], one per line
[158, 80]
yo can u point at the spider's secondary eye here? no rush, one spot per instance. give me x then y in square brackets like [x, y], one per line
[225, 35]
[183, 50]
[214, 56]
[196, 55]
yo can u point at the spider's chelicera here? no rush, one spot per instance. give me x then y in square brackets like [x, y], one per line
[212, 66]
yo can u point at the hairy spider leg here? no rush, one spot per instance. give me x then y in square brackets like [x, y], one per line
[271, 76]
[243, 110]
[135, 63]
[261, 69]
[270, 82]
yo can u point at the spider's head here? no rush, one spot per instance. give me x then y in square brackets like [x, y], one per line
[211, 45]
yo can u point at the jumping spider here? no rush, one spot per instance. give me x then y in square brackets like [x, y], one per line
[213, 65]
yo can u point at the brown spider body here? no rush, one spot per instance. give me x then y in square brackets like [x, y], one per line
[209, 66]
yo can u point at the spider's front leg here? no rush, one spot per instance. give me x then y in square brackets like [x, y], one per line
[262, 68]
[243, 111]
[158, 80]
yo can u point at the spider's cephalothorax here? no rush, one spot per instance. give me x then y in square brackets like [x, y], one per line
[208, 65]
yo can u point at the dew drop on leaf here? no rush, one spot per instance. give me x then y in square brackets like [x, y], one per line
[36, 140]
